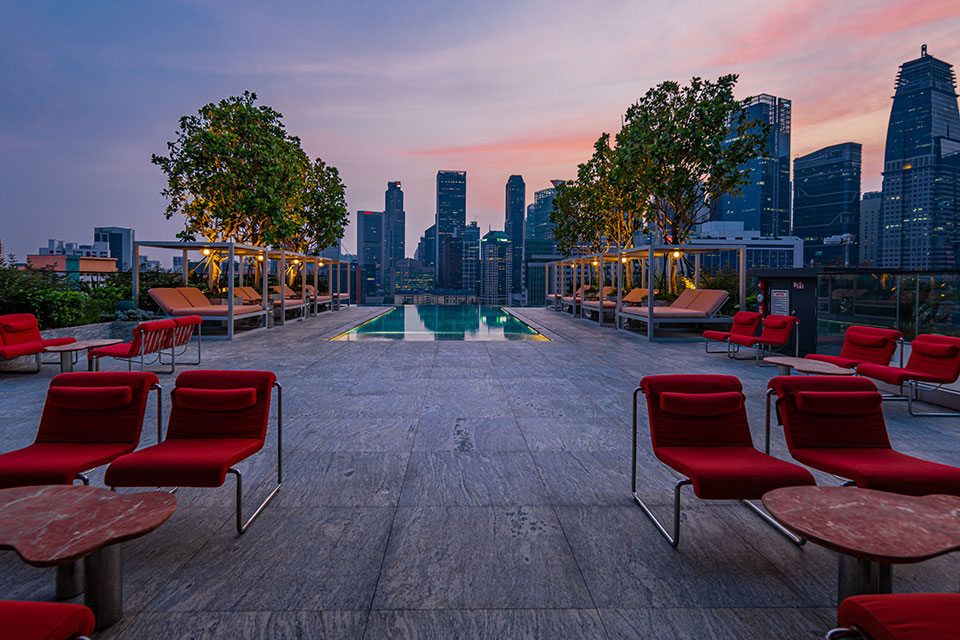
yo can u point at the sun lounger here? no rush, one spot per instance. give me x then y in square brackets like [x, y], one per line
[693, 305]
[602, 304]
[187, 301]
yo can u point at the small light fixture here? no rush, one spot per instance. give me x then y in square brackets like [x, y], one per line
[260, 258]
[676, 254]
[296, 261]
[623, 260]
[205, 252]
[595, 263]
[319, 264]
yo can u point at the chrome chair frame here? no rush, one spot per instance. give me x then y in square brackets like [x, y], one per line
[674, 539]
[186, 345]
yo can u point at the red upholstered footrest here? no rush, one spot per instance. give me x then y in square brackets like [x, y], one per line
[44, 620]
[903, 616]
[719, 336]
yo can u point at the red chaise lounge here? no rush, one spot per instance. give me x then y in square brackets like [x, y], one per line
[899, 616]
[836, 425]
[149, 338]
[776, 332]
[21, 620]
[20, 336]
[745, 323]
[88, 420]
[218, 418]
[699, 428]
[934, 360]
[863, 344]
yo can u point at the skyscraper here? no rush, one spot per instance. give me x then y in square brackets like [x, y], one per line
[826, 203]
[868, 244]
[471, 258]
[765, 203]
[120, 242]
[370, 252]
[515, 201]
[921, 168]
[451, 213]
[538, 225]
[496, 257]
[394, 228]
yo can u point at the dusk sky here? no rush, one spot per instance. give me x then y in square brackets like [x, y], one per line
[396, 91]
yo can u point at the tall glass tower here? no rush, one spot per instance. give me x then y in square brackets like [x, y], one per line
[451, 214]
[394, 227]
[515, 202]
[921, 169]
[764, 205]
[826, 203]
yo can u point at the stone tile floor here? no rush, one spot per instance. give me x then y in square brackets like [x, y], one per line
[467, 489]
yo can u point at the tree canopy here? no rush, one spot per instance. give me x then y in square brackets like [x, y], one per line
[680, 150]
[234, 173]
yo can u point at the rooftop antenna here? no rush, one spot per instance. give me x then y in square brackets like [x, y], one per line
[923, 51]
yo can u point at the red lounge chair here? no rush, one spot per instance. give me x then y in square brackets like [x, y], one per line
[934, 360]
[699, 428]
[901, 616]
[20, 336]
[88, 420]
[44, 621]
[776, 333]
[148, 338]
[183, 333]
[863, 344]
[745, 323]
[218, 419]
[836, 425]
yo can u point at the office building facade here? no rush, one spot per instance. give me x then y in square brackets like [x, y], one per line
[868, 241]
[119, 241]
[370, 252]
[471, 258]
[496, 257]
[538, 225]
[826, 204]
[451, 214]
[515, 196]
[764, 205]
[394, 228]
[921, 169]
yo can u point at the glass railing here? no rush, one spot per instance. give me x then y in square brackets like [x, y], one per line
[913, 302]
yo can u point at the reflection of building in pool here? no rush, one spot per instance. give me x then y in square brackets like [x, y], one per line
[450, 322]
[496, 258]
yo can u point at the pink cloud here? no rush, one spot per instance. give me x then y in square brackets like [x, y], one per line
[579, 144]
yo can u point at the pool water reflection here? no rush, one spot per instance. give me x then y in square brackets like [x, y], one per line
[428, 323]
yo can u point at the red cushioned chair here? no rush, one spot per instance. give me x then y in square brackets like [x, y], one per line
[218, 419]
[44, 621]
[745, 323]
[182, 333]
[149, 338]
[863, 344]
[776, 333]
[698, 424]
[88, 420]
[934, 361]
[900, 616]
[20, 336]
[836, 425]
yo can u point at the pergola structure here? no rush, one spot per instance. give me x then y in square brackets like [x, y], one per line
[233, 252]
[582, 269]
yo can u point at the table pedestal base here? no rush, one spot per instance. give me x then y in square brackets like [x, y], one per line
[103, 588]
[69, 580]
[857, 577]
[783, 369]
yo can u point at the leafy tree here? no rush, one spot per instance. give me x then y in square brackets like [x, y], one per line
[323, 216]
[687, 146]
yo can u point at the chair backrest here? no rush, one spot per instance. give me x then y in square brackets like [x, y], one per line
[709, 300]
[194, 296]
[686, 297]
[19, 328]
[152, 336]
[745, 323]
[607, 291]
[870, 344]
[778, 328]
[636, 296]
[221, 404]
[825, 412]
[696, 411]
[183, 331]
[169, 299]
[935, 355]
[247, 294]
[96, 407]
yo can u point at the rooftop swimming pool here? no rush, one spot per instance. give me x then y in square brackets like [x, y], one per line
[428, 323]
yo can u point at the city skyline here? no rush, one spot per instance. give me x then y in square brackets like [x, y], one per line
[88, 96]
